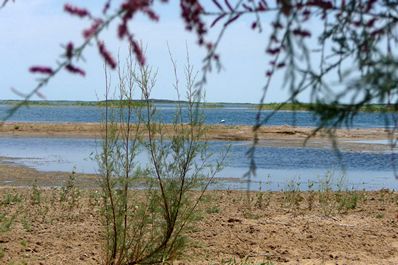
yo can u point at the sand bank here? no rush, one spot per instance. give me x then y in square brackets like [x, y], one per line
[214, 132]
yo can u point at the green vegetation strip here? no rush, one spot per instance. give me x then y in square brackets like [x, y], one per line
[209, 105]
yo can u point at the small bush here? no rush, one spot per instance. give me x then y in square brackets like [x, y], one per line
[35, 196]
[326, 197]
[148, 208]
[6, 223]
[292, 196]
[26, 223]
[69, 192]
[213, 210]
[347, 200]
[2, 253]
[10, 198]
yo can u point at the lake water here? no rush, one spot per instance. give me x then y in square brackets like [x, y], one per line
[276, 166]
[232, 115]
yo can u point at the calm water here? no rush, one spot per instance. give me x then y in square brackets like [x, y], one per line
[232, 116]
[276, 166]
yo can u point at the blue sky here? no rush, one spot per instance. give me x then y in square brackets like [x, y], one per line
[32, 33]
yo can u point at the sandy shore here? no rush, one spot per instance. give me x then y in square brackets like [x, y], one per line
[214, 132]
[277, 228]
[16, 175]
[267, 135]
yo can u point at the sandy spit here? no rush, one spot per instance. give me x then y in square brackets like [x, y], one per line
[213, 132]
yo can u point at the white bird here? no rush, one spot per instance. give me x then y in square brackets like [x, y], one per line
[222, 121]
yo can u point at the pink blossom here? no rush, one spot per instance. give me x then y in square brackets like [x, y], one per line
[273, 51]
[77, 11]
[69, 50]
[41, 70]
[277, 25]
[74, 70]
[137, 51]
[106, 55]
[301, 33]
[93, 29]
[325, 5]
[191, 11]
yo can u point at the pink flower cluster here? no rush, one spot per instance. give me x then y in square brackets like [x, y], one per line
[130, 8]
[77, 11]
[92, 30]
[41, 70]
[190, 12]
[106, 55]
[74, 70]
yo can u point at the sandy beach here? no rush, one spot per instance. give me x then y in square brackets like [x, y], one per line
[275, 228]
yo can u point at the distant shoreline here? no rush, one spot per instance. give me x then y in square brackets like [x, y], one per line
[136, 103]
[117, 103]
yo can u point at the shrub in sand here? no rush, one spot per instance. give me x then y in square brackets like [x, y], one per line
[147, 207]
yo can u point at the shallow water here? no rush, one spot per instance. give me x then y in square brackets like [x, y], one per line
[383, 142]
[276, 167]
[231, 115]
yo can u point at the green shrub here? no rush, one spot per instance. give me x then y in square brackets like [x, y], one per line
[147, 208]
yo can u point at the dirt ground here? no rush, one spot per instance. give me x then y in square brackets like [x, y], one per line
[274, 228]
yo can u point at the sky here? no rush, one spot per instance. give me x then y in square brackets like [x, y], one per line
[33, 32]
